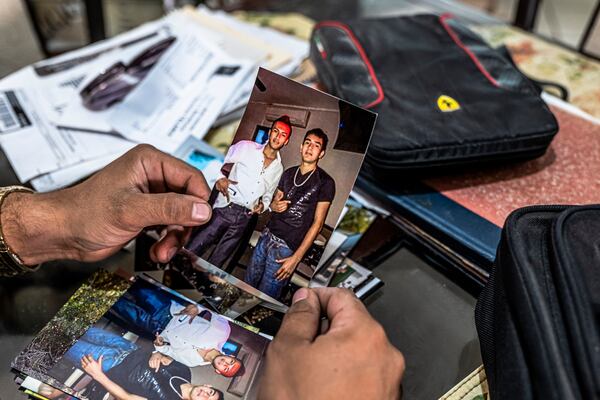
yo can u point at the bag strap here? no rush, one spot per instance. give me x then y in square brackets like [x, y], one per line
[540, 84]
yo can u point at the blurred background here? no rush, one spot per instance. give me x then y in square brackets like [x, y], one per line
[31, 30]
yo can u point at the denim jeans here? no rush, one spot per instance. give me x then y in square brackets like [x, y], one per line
[225, 228]
[145, 311]
[98, 342]
[263, 265]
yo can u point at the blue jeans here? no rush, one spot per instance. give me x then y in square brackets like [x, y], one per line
[98, 342]
[226, 229]
[263, 265]
[147, 313]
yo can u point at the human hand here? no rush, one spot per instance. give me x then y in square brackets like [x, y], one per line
[288, 266]
[259, 208]
[222, 185]
[352, 359]
[96, 218]
[278, 204]
[155, 361]
[159, 340]
[92, 367]
[191, 310]
[158, 359]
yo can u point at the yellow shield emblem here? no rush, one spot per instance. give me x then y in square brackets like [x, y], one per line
[447, 103]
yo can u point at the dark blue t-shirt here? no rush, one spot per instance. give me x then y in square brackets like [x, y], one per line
[135, 376]
[304, 192]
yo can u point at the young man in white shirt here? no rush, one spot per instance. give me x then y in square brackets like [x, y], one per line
[188, 334]
[247, 190]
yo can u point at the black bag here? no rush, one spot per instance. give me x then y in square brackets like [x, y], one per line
[443, 96]
[538, 317]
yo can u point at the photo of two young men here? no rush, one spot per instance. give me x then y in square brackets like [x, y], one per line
[283, 184]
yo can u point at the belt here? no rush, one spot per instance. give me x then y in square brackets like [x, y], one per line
[278, 239]
[237, 207]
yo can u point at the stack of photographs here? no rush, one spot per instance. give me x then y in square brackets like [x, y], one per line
[357, 230]
[278, 195]
[199, 326]
[152, 342]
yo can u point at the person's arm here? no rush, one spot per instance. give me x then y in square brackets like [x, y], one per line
[269, 192]
[165, 349]
[94, 369]
[289, 264]
[191, 310]
[92, 220]
[278, 204]
[234, 154]
[352, 357]
[157, 359]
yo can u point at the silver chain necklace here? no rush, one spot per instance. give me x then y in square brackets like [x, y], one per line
[306, 180]
[173, 387]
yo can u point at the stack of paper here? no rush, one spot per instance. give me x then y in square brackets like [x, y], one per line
[165, 83]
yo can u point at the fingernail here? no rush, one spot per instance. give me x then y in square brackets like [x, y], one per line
[200, 212]
[171, 253]
[301, 294]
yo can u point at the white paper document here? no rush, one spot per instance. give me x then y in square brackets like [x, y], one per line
[284, 52]
[34, 146]
[54, 133]
[182, 96]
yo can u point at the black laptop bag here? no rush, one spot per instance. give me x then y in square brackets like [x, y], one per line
[443, 96]
[538, 317]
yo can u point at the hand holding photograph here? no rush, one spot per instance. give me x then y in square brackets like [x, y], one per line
[283, 184]
[155, 344]
[278, 195]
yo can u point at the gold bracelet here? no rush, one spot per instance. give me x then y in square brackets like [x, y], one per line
[10, 263]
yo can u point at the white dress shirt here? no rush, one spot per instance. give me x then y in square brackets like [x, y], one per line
[184, 339]
[253, 180]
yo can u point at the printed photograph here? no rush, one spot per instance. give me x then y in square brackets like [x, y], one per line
[283, 184]
[156, 344]
[200, 281]
[88, 304]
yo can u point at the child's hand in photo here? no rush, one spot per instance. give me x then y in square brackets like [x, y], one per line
[288, 266]
[155, 361]
[222, 185]
[278, 204]
[259, 208]
[191, 310]
[92, 367]
[158, 340]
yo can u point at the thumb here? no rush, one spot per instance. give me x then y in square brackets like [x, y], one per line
[100, 360]
[301, 322]
[168, 209]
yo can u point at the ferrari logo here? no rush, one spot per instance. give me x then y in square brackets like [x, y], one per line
[447, 103]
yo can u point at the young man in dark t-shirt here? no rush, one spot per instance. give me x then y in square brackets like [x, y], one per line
[299, 208]
[129, 371]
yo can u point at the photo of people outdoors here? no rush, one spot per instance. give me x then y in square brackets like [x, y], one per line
[153, 344]
[283, 184]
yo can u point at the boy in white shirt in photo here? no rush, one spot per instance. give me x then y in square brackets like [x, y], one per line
[247, 190]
